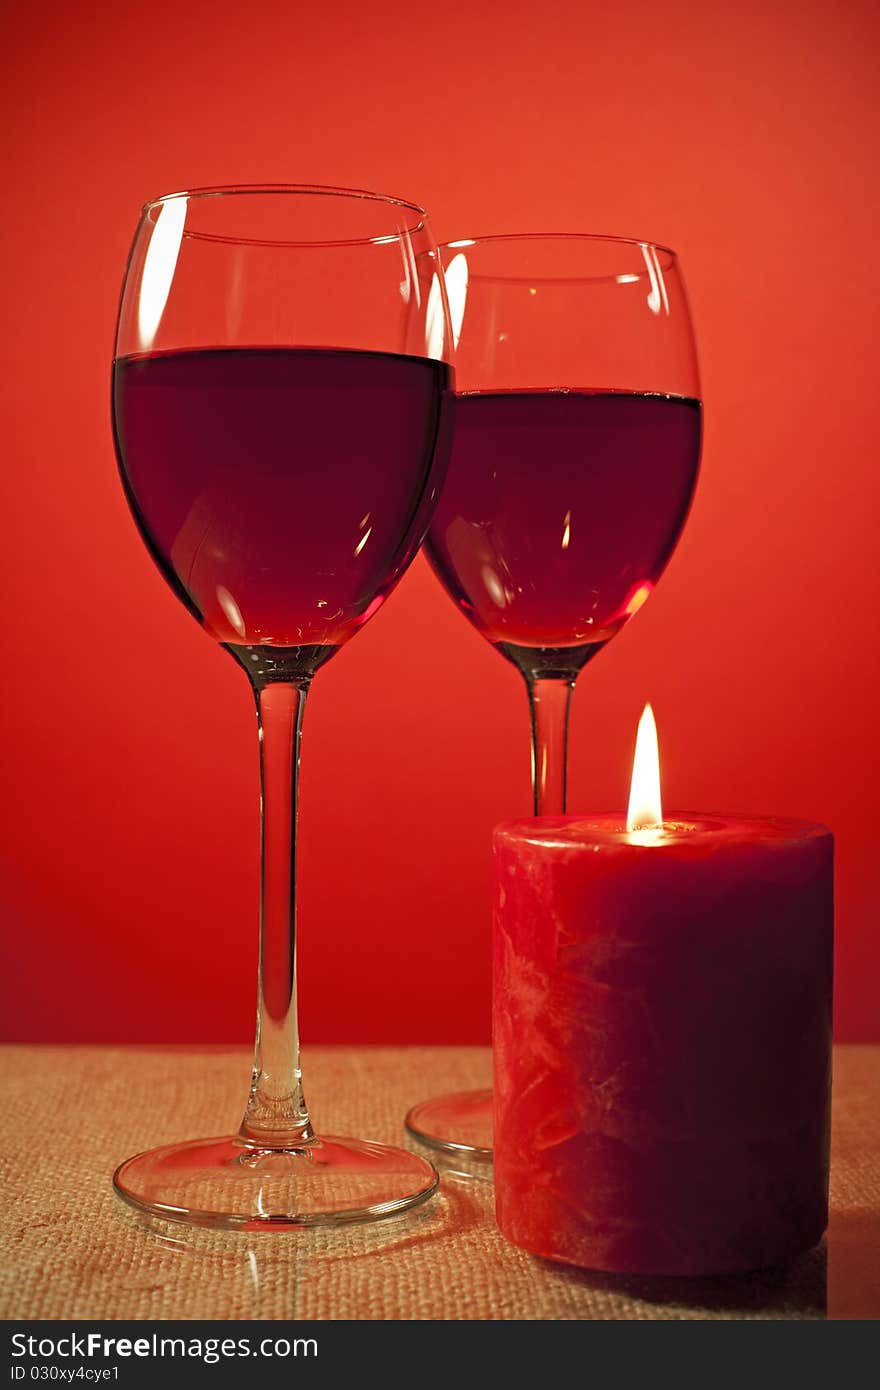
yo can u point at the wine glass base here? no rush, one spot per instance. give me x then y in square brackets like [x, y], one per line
[234, 1184]
[458, 1123]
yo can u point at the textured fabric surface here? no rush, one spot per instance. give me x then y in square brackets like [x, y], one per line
[70, 1249]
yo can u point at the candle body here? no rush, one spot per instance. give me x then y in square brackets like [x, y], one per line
[662, 1042]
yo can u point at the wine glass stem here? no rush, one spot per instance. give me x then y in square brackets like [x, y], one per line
[276, 1114]
[549, 705]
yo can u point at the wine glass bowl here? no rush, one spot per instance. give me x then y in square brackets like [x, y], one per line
[576, 443]
[280, 368]
[560, 569]
[281, 485]
[575, 451]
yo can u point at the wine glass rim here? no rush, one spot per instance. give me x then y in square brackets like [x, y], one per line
[291, 190]
[607, 238]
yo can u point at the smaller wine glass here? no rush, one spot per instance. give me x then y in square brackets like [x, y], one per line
[576, 445]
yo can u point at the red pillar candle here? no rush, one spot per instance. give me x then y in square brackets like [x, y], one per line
[662, 1041]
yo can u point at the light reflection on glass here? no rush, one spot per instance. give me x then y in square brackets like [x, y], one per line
[363, 540]
[638, 598]
[230, 609]
[409, 286]
[657, 296]
[159, 265]
[494, 586]
[435, 332]
[456, 293]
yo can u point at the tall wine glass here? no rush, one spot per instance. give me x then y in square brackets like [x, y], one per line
[575, 451]
[280, 365]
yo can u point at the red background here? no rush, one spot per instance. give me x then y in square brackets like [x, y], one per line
[743, 135]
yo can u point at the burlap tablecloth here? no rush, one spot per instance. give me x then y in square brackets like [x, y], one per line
[70, 1249]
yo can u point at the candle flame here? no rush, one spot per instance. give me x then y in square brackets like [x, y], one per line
[645, 808]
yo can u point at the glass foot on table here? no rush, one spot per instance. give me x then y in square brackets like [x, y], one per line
[459, 1123]
[234, 1184]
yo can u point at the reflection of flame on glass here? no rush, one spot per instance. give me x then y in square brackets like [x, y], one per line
[566, 531]
[645, 810]
[638, 598]
[410, 282]
[231, 609]
[159, 265]
[363, 540]
[657, 295]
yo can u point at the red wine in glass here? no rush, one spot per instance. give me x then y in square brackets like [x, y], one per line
[575, 450]
[282, 491]
[549, 573]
